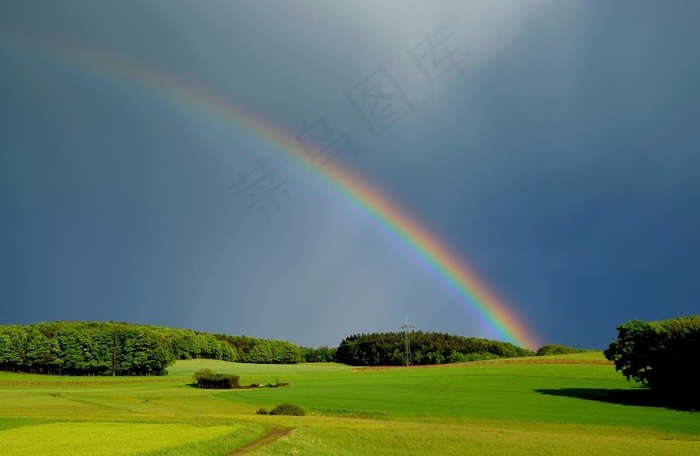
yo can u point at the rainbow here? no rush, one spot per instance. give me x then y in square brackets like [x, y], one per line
[395, 221]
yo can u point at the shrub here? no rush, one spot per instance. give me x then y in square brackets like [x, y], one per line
[262, 411]
[288, 409]
[206, 378]
[202, 373]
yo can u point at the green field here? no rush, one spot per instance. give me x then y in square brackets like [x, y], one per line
[573, 404]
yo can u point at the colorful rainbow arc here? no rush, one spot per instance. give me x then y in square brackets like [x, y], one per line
[435, 253]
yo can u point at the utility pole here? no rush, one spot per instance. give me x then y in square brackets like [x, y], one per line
[407, 329]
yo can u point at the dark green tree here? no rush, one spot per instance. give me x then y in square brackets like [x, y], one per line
[556, 349]
[660, 354]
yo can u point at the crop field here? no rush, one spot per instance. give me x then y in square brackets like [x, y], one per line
[572, 404]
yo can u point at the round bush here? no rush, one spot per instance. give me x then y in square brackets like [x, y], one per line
[288, 409]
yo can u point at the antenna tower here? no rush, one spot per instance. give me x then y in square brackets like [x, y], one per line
[407, 330]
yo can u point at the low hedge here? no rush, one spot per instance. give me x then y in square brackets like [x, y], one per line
[206, 378]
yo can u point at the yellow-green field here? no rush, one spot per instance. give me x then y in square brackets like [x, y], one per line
[574, 404]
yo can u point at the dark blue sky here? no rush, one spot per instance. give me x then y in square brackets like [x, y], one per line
[560, 159]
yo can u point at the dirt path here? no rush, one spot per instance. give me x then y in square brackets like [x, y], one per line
[268, 438]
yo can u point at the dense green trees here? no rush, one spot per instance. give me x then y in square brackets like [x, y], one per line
[556, 349]
[85, 348]
[263, 351]
[95, 348]
[323, 354]
[387, 349]
[660, 354]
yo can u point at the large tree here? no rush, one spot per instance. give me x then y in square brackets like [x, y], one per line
[660, 354]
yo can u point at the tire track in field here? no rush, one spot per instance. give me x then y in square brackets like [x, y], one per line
[273, 435]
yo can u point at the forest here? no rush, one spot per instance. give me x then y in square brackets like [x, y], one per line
[387, 349]
[111, 348]
[96, 348]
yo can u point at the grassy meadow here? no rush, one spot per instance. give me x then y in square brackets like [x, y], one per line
[572, 404]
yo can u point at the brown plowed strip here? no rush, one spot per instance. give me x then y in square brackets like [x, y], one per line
[268, 438]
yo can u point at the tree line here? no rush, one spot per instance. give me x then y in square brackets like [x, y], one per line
[101, 348]
[263, 351]
[269, 351]
[387, 349]
[557, 349]
[109, 348]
